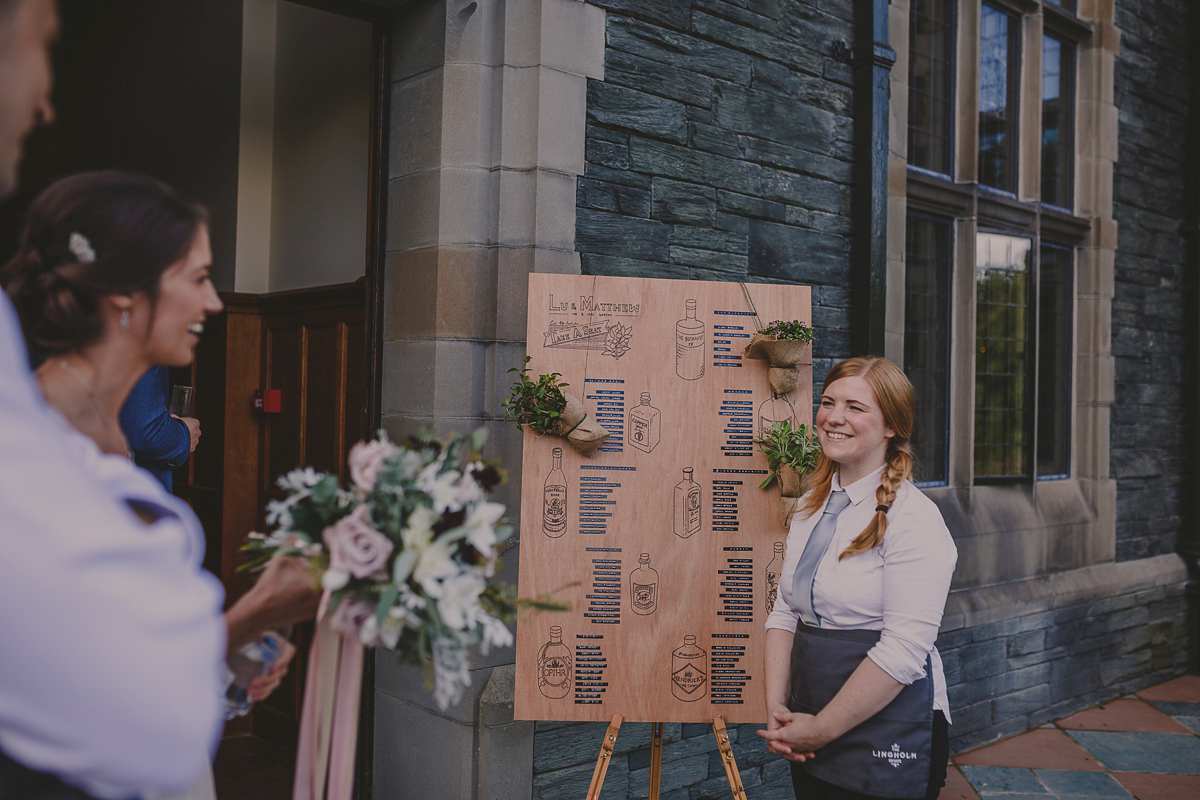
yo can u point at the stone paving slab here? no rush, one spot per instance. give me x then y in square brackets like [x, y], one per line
[1177, 754]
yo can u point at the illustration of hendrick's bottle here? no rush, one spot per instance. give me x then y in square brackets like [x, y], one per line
[689, 671]
[554, 499]
[554, 666]
[687, 505]
[689, 345]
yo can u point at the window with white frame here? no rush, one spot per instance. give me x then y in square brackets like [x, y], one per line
[991, 221]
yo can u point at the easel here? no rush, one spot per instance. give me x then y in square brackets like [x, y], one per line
[656, 746]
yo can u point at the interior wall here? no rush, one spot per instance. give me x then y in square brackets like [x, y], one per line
[147, 86]
[320, 156]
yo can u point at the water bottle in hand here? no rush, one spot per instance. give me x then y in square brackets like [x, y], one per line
[245, 665]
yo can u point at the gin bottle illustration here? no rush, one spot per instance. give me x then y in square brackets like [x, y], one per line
[689, 345]
[775, 409]
[643, 586]
[687, 505]
[645, 423]
[773, 570]
[689, 671]
[554, 666]
[554, 499]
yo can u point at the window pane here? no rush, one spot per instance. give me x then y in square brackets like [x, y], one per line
[927, 341]
[931, 42]
[997, 99]
[1054, 361]
[1058, 105]
[1002, 358]
[1066, 5]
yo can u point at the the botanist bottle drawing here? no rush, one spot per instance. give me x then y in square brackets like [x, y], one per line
[689, 345]
[554, 666]
[689, 671]
[643, 586]
[554, 499]
[687, 506]
[773, 570]
[645, 425]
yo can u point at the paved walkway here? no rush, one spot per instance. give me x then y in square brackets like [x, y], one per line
[1144, 746]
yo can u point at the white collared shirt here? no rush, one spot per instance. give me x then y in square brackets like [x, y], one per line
[112, 635]
[898, 588]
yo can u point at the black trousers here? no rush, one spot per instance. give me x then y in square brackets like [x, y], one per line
[18, 782]
[809, 788]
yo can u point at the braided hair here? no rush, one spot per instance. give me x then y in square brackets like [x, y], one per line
[894, 396]
[87, 237]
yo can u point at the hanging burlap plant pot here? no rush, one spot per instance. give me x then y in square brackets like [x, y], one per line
[582, 432]
[783, 355]
[789, 492]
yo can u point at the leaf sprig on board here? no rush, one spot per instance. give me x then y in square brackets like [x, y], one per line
[536, 403]
[784, 445]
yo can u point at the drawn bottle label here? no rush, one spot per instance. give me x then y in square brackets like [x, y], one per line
[689, 345]
[554, 499]
[687, 505]
[773, 570]
[554, 666]
[689, 671]
[643, 586]
[645, 425]
[775, 409]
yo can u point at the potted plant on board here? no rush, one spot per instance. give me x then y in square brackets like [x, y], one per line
[791, 453]
[546, 408]
[782, 344]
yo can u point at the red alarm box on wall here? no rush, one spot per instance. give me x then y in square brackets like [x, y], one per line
[268, 401]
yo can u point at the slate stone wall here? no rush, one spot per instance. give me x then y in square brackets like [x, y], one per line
[719, 148]
[1153, 328]
[1008, 676]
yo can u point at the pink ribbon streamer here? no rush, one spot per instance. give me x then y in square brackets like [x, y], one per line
[329, 718]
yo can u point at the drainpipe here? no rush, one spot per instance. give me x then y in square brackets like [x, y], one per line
[1189, 540]
[873, 60]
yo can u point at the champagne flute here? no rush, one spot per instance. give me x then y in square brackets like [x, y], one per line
[183, 401]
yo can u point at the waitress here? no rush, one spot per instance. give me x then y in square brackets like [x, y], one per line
[856, 697]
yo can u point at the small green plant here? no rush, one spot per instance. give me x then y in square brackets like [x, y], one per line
[785, 446]
[538, 404]
[795, 330]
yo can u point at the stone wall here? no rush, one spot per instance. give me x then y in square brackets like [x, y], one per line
[1153, 338]
[719, 148]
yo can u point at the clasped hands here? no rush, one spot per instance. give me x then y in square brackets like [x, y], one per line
[793, 735]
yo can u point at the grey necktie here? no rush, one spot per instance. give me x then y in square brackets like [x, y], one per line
[818, 543]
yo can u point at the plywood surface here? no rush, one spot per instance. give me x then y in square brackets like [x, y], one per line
[662, 541]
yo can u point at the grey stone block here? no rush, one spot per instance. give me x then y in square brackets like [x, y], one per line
[783, 252]
[648, 114]
[1022, 644]
[618, 235]
[983, 659]
[751, 206]
[682, 202]
[615, 197]
[581, 744]
[572, 783]
[675, 774]
[729, 264]
[761, 43]
[777, 119]
[682, 85]
[595, 264]
[715, 140]
[709, 239]
[661, 158]
[994, 630]
[679, 50]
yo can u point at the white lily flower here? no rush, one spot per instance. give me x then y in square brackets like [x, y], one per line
[334, 579]
[480, 523]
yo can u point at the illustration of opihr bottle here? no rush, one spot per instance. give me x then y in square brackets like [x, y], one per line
[774, 409]
[645, 425]
[773, 570]
[554, 499]
[689, 671]
[554, 666]
[689, 345]
[643, 586]
[687, 505]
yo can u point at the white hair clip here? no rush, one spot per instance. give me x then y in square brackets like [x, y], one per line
[81, 248]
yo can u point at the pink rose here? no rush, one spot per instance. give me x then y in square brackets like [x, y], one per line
[355, 547]
[366, 459]
[351, 616]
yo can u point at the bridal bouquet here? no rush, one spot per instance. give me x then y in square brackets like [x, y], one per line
[404, 552]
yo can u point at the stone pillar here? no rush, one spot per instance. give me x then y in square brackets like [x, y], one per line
[488, 107]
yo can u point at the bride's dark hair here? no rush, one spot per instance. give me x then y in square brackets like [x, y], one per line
[88, 236]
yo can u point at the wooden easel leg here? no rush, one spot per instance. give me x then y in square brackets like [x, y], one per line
[731, 770]
[656, 744]
[606, 751]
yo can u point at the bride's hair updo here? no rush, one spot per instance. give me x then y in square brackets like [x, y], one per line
[89, 236]
[897, 404]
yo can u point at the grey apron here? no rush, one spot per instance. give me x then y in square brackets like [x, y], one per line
[888, 754]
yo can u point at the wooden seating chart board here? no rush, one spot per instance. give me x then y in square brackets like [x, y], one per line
[661, 543]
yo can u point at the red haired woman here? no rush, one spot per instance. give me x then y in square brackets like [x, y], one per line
[856, 697]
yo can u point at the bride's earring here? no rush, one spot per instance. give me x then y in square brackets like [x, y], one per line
[124, 323]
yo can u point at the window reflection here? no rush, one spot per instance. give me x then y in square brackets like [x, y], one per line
[997, 99]
[1058, 99]
[927, 267]
[930, 56]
